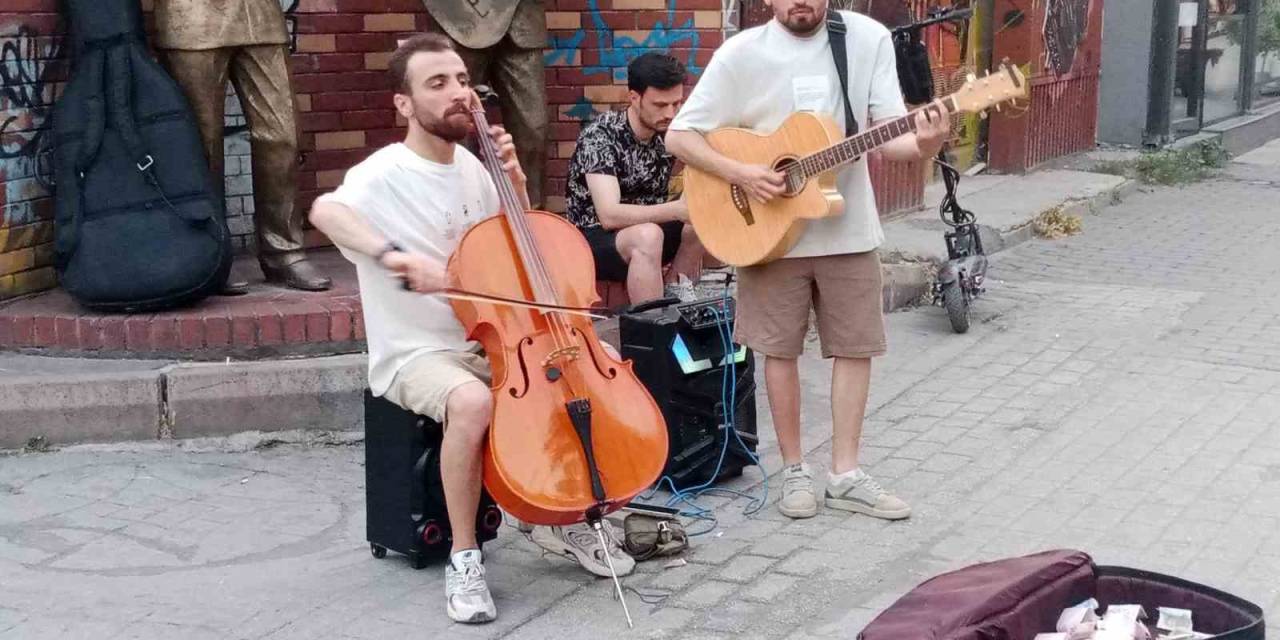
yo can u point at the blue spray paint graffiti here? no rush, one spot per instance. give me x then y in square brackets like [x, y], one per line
[583, 109]
[616, 51]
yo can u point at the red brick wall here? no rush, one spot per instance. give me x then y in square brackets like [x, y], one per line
[339, 77]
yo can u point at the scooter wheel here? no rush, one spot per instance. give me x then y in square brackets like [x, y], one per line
[957, 306]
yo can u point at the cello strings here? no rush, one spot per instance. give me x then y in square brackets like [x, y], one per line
[539, 278]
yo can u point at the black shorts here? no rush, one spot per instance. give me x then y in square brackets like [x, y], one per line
[609, 263]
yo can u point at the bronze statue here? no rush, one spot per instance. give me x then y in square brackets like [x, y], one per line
[204, 43]
[501, 42]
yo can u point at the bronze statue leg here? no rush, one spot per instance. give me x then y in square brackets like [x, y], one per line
[261, 78]
[477, 61]
[262, 82]
[519, 78]
[202, 75]
[203, 78]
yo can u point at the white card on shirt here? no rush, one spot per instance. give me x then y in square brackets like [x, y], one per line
[810, 92]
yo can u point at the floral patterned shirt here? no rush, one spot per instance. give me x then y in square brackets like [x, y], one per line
[607, 145]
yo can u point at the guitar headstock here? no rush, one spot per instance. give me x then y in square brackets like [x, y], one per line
[981, 93]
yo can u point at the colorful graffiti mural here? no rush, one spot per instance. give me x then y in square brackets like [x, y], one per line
[27, 63]
[618, 50]
[26, 90]
[1066, 24]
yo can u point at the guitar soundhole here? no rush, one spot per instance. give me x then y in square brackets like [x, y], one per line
[742, 203]
[793, 176]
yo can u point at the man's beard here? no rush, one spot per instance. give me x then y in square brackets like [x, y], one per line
[803, 23]
[659, 126]
[447, 127]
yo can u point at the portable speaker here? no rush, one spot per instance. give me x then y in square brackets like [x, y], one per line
[678, 352]
[404, 498]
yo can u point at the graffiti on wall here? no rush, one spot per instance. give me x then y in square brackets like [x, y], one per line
[26, 103]
[1066, 23]
[618, 50]
[26, 89]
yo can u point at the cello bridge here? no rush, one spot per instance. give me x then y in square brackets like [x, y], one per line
[568, 353]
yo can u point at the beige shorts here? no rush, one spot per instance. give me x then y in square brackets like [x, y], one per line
[423, 384]
[844, 291]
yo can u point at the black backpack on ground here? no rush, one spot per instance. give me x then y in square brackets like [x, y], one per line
[139, 222]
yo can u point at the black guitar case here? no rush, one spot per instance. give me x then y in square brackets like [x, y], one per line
[139, 224]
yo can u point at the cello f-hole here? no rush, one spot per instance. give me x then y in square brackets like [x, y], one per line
[524, 369]
[607, 371]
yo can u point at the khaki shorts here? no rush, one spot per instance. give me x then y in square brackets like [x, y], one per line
[844, 290]
[423, 384]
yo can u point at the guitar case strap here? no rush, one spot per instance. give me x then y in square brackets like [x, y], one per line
[836, 32]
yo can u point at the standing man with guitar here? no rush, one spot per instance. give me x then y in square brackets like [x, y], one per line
[619, 185]
[755, 80]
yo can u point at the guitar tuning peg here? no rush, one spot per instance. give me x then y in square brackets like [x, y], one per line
[970, 77]
[983, 114]
[997, 106]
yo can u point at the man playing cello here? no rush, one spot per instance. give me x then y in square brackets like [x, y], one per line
[398, 216]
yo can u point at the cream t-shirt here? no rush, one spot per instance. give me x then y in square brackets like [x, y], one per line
[762, 75]
[423, 206]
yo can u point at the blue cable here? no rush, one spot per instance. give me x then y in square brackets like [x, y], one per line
[728, 400]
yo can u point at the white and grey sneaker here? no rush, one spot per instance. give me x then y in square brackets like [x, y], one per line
[464, 587]
[862, 494]
[683, 288]
[798, 498]
[581, 544]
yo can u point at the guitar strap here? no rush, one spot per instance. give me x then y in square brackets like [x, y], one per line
[836, 32]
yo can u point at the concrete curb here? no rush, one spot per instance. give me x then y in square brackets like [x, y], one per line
[907, 282]
[996, 240]
[99, 407]
[185, 400]
[275, 395]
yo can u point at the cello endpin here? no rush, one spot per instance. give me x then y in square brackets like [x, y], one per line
[617, 584]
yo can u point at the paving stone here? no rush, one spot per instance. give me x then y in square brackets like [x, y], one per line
[705, 594]
[745, 568]
[768, 588]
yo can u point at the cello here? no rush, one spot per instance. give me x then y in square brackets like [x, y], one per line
[575, 435]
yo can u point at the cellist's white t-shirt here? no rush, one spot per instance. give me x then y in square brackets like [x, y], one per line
[423, 206]
[760, 76]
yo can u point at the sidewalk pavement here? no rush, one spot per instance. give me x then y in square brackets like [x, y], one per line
[1117, 393]
[52, 401]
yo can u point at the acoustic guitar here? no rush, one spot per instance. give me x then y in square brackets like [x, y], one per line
[807, 149]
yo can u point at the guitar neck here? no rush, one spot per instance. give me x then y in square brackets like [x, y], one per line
[857, 145]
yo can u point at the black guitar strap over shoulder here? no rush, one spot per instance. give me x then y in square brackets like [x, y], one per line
[836, 32]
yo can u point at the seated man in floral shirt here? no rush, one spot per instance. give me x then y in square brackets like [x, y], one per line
[618, 187]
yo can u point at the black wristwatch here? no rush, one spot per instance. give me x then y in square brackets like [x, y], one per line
[388, 248]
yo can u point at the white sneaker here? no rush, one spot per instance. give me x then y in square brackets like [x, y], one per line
[798, 498]
[683, 288]
[581, 544]
[862, 494]
[465, 589]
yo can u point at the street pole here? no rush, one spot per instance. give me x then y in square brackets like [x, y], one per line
[1164, 51]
